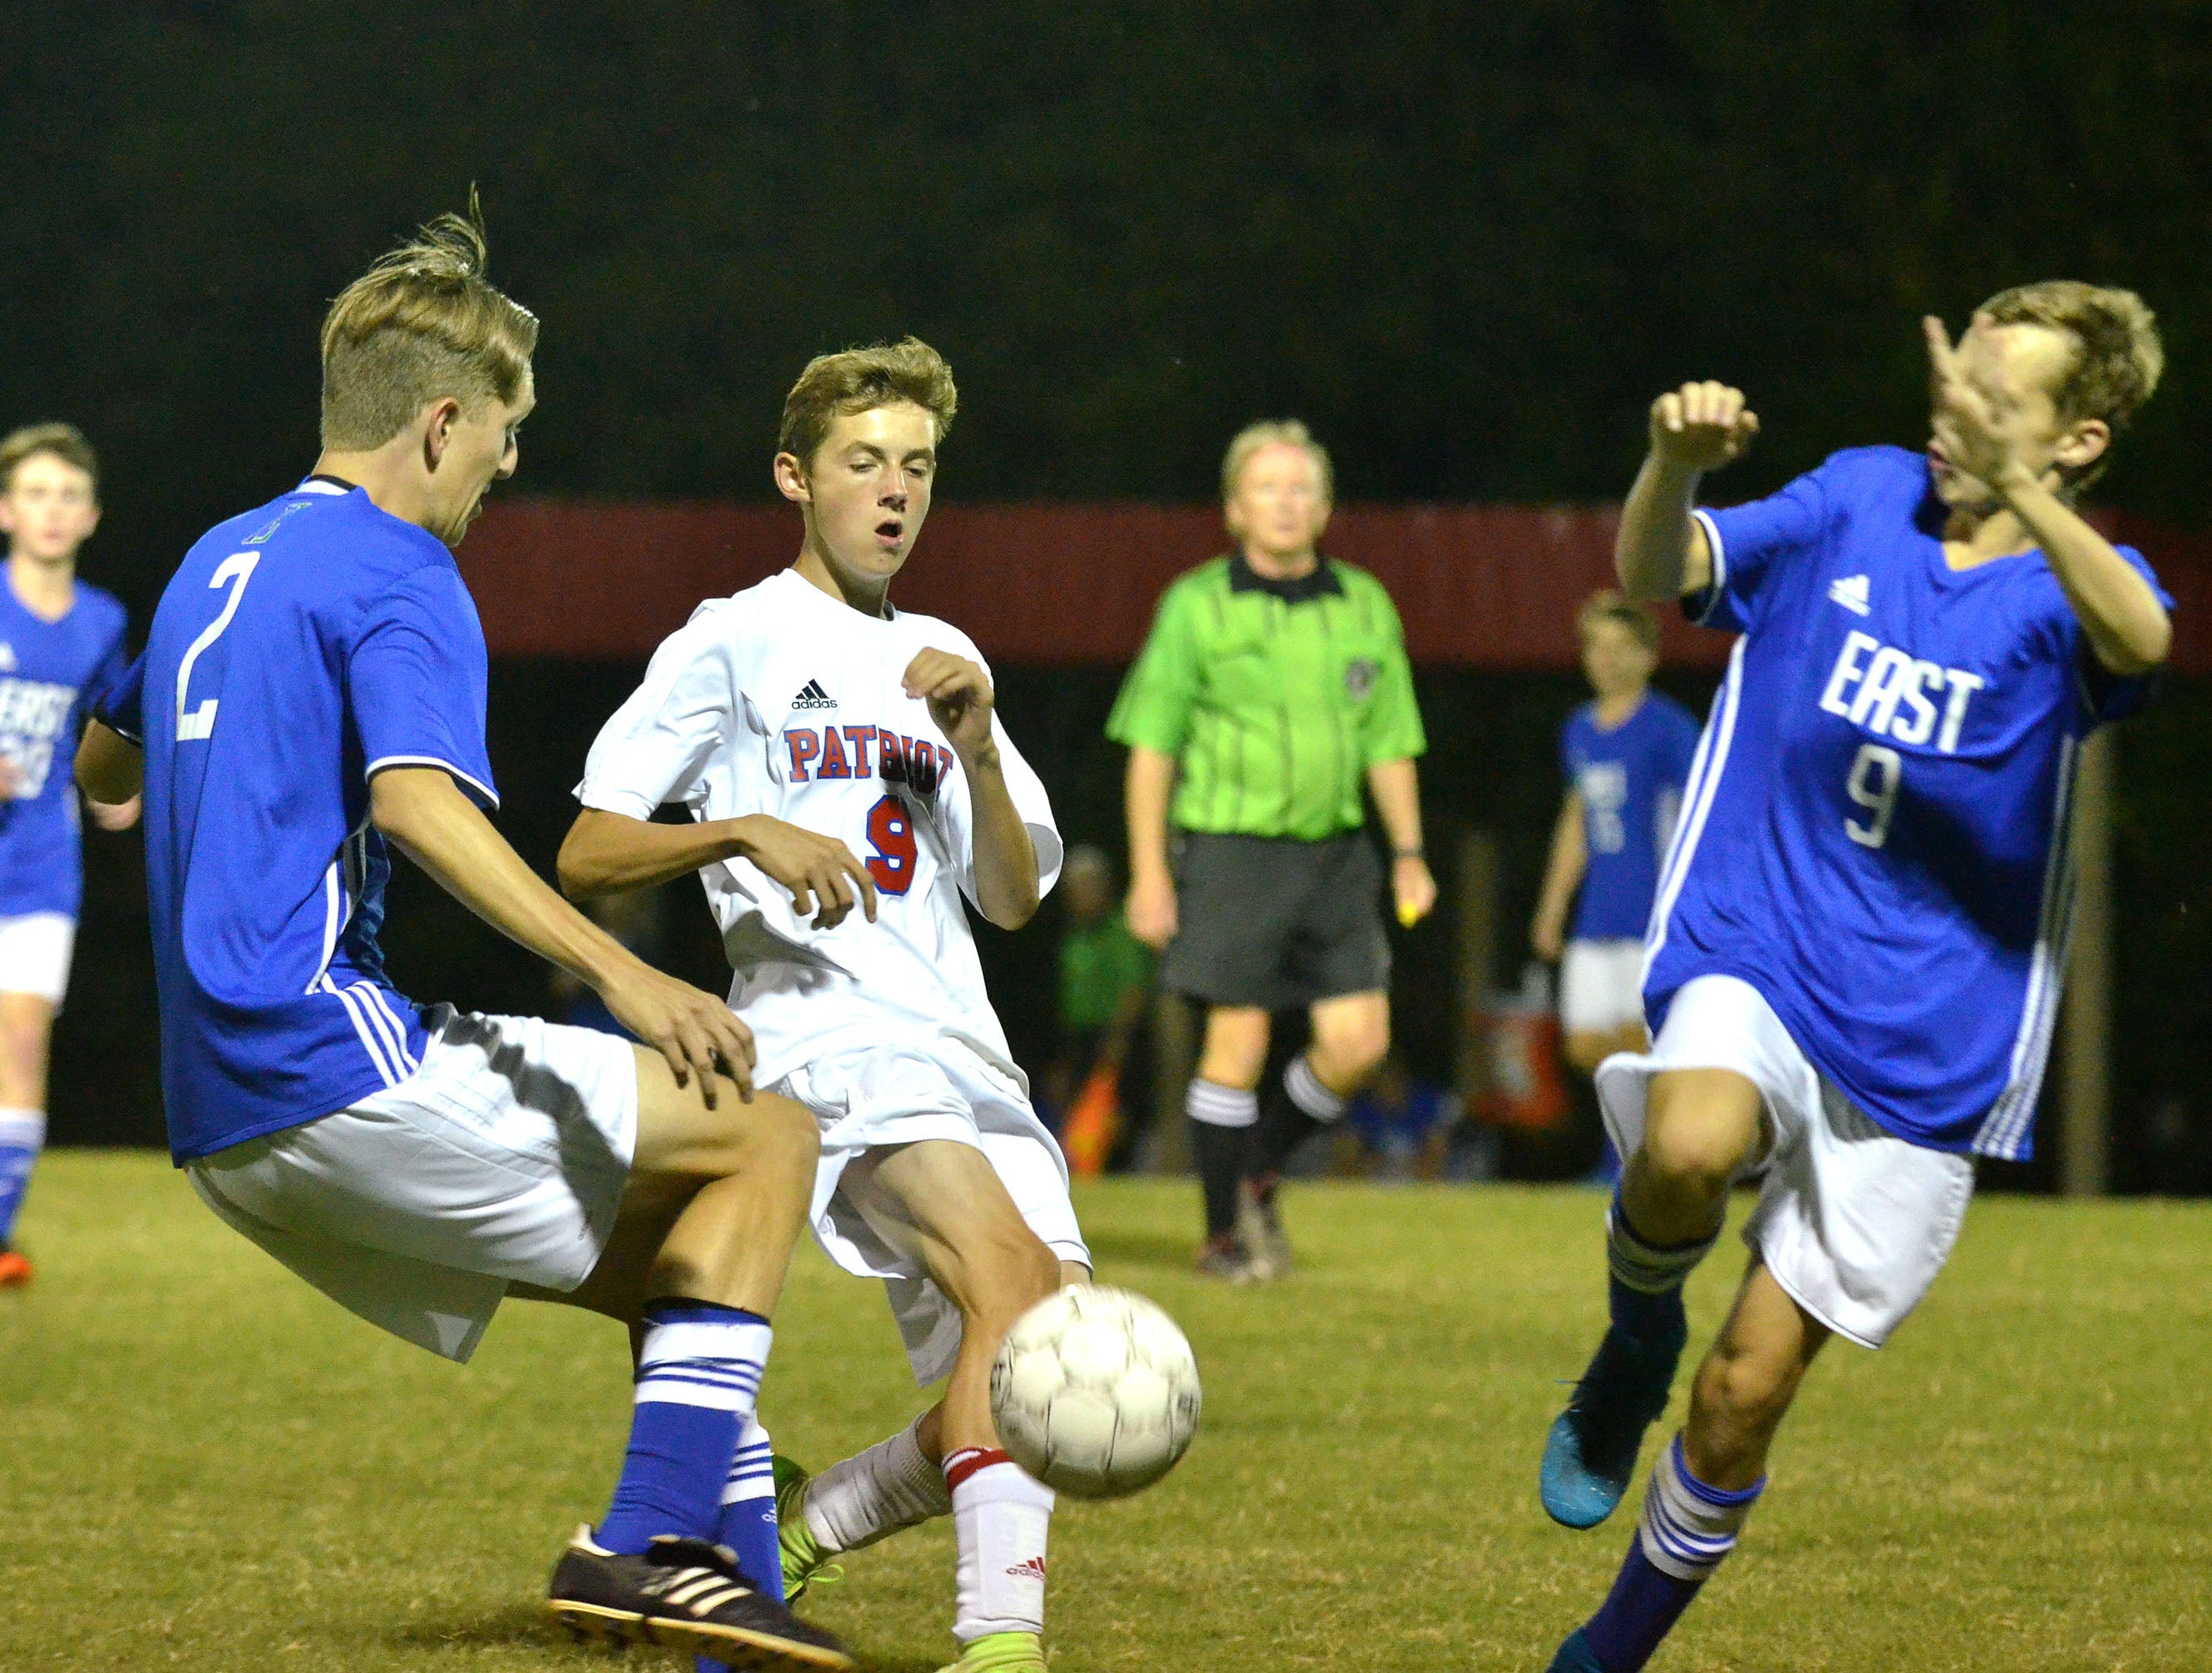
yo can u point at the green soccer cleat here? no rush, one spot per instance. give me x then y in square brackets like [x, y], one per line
[804, 1563]
[1001, 1652]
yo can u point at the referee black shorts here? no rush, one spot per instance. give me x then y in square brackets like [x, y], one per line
[1276, 922]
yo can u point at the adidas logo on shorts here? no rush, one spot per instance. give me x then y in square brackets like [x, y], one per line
[811, 695]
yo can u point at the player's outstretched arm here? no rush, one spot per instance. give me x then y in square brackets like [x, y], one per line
[1005, 861]
[606, 853]
[1661, 552]
[2128, 629]
[423, 811]
[110, 769]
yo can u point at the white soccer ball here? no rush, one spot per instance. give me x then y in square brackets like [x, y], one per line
[1094, 1392]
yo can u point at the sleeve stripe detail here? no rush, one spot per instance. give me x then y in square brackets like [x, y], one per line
[1718, 584]
[468, 779]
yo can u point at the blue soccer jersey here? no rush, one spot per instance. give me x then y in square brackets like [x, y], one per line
[298, 650]
[1874, 834]
[52, 673]
[1631, 781]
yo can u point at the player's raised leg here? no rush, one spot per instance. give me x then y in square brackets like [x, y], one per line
[1706, 1480]
[1700, 1126]
[966, 1229]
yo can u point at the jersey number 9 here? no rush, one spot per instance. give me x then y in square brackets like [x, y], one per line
[1873, 784]
[890, 833]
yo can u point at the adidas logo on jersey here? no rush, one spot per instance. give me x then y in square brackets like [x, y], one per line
[1853, 593]
[811, 695]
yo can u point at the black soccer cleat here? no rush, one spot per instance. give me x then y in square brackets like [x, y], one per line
[684, 1594]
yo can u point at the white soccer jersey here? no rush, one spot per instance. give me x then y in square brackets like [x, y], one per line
[784, 701]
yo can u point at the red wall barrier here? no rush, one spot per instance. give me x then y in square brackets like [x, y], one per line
[1485, 586]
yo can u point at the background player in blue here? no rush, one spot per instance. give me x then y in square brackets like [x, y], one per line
[61, 646]
[1626, 755]
[314, 689]
[1855, 957]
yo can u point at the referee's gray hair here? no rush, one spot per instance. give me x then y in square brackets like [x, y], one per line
[1275, 433]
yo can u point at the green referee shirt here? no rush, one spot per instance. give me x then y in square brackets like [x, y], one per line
[1273, 697]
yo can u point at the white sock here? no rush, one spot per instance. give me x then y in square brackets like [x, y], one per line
[873, 1494]
[1000, 1517]
[1306, 1091]
[1689, 1527]
[1218, 1105]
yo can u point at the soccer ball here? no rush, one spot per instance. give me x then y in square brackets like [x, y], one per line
[1094, 1392]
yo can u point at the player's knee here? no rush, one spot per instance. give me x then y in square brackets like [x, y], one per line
[768, 1136]
[1691, 1153]
[1040, 1274]
[1744, 1392]
[1010, 1270]
[23, 1042]
[1235, 1050]
[783, 1134]
[1357, 1049]
[1237, 1069]
[1585, 1051]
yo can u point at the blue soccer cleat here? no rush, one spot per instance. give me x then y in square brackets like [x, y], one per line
[1576, 1656]
[1590, 1454]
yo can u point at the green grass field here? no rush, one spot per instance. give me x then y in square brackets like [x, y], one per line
[205, 1464]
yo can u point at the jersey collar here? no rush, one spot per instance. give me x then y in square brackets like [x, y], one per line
[1322, 582]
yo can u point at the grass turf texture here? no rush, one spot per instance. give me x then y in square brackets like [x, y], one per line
[205, 1464]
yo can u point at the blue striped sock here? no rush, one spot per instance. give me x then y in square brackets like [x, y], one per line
[748, 1519]
[1688, 1528]
[697, 1378]
[23, 1136]
[748, 1525]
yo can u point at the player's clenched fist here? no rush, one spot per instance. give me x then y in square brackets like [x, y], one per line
[958, 693]
[1702, 426]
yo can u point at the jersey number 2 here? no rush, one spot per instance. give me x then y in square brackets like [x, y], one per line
[1873, 785]
[890, 833]
[200, 722]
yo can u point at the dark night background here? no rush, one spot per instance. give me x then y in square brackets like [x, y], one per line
[1468, 242]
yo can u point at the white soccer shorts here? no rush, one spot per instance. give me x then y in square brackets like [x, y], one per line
[503, 1159]
[36, 950]
[868, 1099]
[1601, 986]
[1853, 1222]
